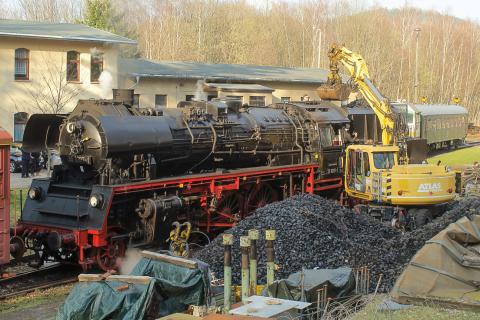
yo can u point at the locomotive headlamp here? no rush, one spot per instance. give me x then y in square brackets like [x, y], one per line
[96, 200]
[35, 193]
[448, 168]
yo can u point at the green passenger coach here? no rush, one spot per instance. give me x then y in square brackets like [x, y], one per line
[442, 125]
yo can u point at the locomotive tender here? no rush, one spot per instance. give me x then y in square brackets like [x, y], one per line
[128, 174]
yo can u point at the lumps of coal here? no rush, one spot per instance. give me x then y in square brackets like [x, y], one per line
[314, 232]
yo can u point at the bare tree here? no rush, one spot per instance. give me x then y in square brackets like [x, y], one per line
[49, 91]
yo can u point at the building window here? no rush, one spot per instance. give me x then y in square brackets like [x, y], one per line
[73, 66]
[19, 122]
[21, 64]
[161, 101]
[285, 99]
[257, 101]
[136, 101]
[96, 67]
[190, 97]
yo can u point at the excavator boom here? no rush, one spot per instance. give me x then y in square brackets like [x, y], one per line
[393, 125]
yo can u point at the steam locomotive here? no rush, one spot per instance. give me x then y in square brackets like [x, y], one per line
[127, 174]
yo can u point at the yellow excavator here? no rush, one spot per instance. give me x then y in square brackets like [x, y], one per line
[378, 179]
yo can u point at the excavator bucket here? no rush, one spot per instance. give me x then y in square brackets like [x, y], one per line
[333, 89]
[333, 92]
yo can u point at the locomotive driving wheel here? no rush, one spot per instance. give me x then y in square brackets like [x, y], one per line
[110, 256]
[228, 207]
[261, 196]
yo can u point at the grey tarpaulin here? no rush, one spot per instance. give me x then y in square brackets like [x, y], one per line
[172, 288]
[340, 283]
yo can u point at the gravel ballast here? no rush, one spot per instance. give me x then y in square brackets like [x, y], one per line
[313, 232]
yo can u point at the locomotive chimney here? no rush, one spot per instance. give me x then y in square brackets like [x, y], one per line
[123, 96]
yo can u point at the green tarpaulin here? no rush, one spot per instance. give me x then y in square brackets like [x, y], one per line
[340, 282]
[171, 289]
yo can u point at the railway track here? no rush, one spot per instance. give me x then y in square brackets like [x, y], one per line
[45, 277]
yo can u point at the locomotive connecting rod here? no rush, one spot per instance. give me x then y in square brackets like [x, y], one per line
[270, 236]
[227, 286]
[253, 235]
[245, 244]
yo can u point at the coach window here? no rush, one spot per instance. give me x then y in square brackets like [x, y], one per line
[22, 64]
[434, 124]
[429, 124]
[73, 66]
[439, 123]
[96, 67]
[448, 122]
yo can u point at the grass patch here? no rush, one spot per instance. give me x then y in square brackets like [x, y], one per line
[418, 312]
[12, 203]
[35, 298]
[458, 158]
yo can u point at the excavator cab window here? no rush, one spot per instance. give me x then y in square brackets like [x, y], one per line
[359, 171]
[383, 160]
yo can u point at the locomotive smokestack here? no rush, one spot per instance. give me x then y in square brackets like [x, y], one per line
[123, 96]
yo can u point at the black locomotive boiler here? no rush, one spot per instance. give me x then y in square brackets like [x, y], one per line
[127, 174]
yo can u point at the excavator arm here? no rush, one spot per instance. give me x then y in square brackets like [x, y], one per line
[394, 129]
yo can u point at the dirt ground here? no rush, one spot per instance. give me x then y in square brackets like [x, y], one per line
[41, 312]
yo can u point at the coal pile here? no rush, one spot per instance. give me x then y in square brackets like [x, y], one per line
[313, 232]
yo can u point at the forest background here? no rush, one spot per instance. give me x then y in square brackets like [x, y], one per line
[290, 34]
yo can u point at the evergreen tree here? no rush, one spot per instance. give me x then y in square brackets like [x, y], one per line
[101, 14]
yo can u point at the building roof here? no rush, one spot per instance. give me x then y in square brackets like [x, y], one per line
[231, 87]
[438, 109]
[61, 31]
[220, 71]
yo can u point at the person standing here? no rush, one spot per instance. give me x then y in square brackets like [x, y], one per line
[26, 158]
[35, 163]
[347, 137]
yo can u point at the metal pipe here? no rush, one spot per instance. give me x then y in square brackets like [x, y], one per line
[361, 280]
[356, 284]
[270, 237]
[319, 291]
[15, 210]
[325, 287]
[78, 212]
[303, 286]
[253, 235]
[21, 205]
[326, 307]
[368, 282]
[245, 243]
[227, 272]
[378, 284]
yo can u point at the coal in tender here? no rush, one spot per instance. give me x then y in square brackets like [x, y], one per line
[314, 232]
